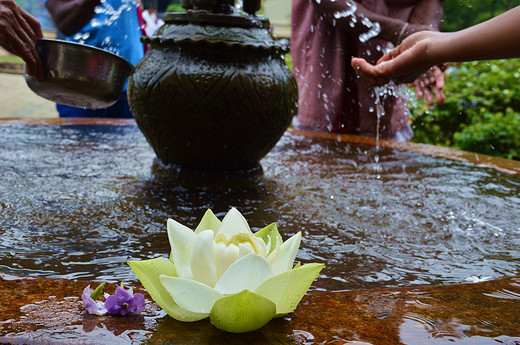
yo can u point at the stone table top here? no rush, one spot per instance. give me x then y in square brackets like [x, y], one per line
[49, 311]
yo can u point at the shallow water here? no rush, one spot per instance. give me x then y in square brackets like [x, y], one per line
[78, 201]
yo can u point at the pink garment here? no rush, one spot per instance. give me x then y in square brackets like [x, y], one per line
[331, 97]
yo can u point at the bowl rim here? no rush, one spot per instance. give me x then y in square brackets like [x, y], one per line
[41, 42]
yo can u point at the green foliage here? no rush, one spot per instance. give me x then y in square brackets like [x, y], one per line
[174, 8]
[501, 134]
[288, 61]
[481, 112]
[459, 14]
[11, 59]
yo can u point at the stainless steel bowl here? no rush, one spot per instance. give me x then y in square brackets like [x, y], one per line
[79, 75]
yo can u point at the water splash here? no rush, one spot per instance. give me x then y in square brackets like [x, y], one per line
[381, 93]
[374, 30]
[349, 12]
[109, 15]
[81, 37]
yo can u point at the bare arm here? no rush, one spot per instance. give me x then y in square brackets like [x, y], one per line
[18, 34]
[496, 38]
[71, 16]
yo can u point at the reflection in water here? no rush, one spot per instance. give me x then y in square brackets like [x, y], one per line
[451, 314]
[92, 197]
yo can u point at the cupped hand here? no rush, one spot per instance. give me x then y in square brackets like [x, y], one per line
[18, 34]
[403, 64]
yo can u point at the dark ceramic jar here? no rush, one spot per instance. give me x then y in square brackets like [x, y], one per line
[213, 91]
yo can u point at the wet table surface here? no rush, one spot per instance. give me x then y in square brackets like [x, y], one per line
[36, 310]
[49, 311]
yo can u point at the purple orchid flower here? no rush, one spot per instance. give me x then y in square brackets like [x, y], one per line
[123, 302]
[93, 307]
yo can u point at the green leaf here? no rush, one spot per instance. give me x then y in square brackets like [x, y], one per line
[287, 289]
[242, 312]
[191, 294]
[95, 294]
[148, 272]
[270, 231]
[208, 222]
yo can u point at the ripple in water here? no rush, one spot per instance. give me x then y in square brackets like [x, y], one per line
[79, 201]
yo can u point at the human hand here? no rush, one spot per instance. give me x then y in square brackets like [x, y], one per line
[403, 64]
[18, 34]
[429, 85]
[410, 29]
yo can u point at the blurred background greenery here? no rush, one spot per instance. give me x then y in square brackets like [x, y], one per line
[481, 112]
[482, 109]
[459, 14]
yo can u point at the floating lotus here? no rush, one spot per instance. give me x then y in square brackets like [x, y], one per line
[224, 271]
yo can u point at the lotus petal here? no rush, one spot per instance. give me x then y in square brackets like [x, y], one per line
[245, 249]
[287, 289]
[202, 259]
[208, 222]
[245, 273]
[233, 223]
[242, 312]
[190, 294]
[181, 240]
[148, 272]
[224, 256]
[288, 250]
[270, 232]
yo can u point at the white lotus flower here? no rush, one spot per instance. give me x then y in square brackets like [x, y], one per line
[222, 270]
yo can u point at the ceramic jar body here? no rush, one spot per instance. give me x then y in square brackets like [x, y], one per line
[211, 96]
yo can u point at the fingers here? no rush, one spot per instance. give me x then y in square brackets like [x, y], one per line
[429, 86]
[428, 96]
[29, 25]
[22, 31]
[418, 89]
[369, 73]
[439, 95]
[388, 56]
[438, 73]
[392, 54]
[423, 90]
[439, 84]
[427, 83]
[33, 24]
[25, 47]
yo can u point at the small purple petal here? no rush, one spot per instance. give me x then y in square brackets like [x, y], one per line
[87, 291]
[123, 294]
[137, 303]
[92, 306]
[112, 304]
[123, 302]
